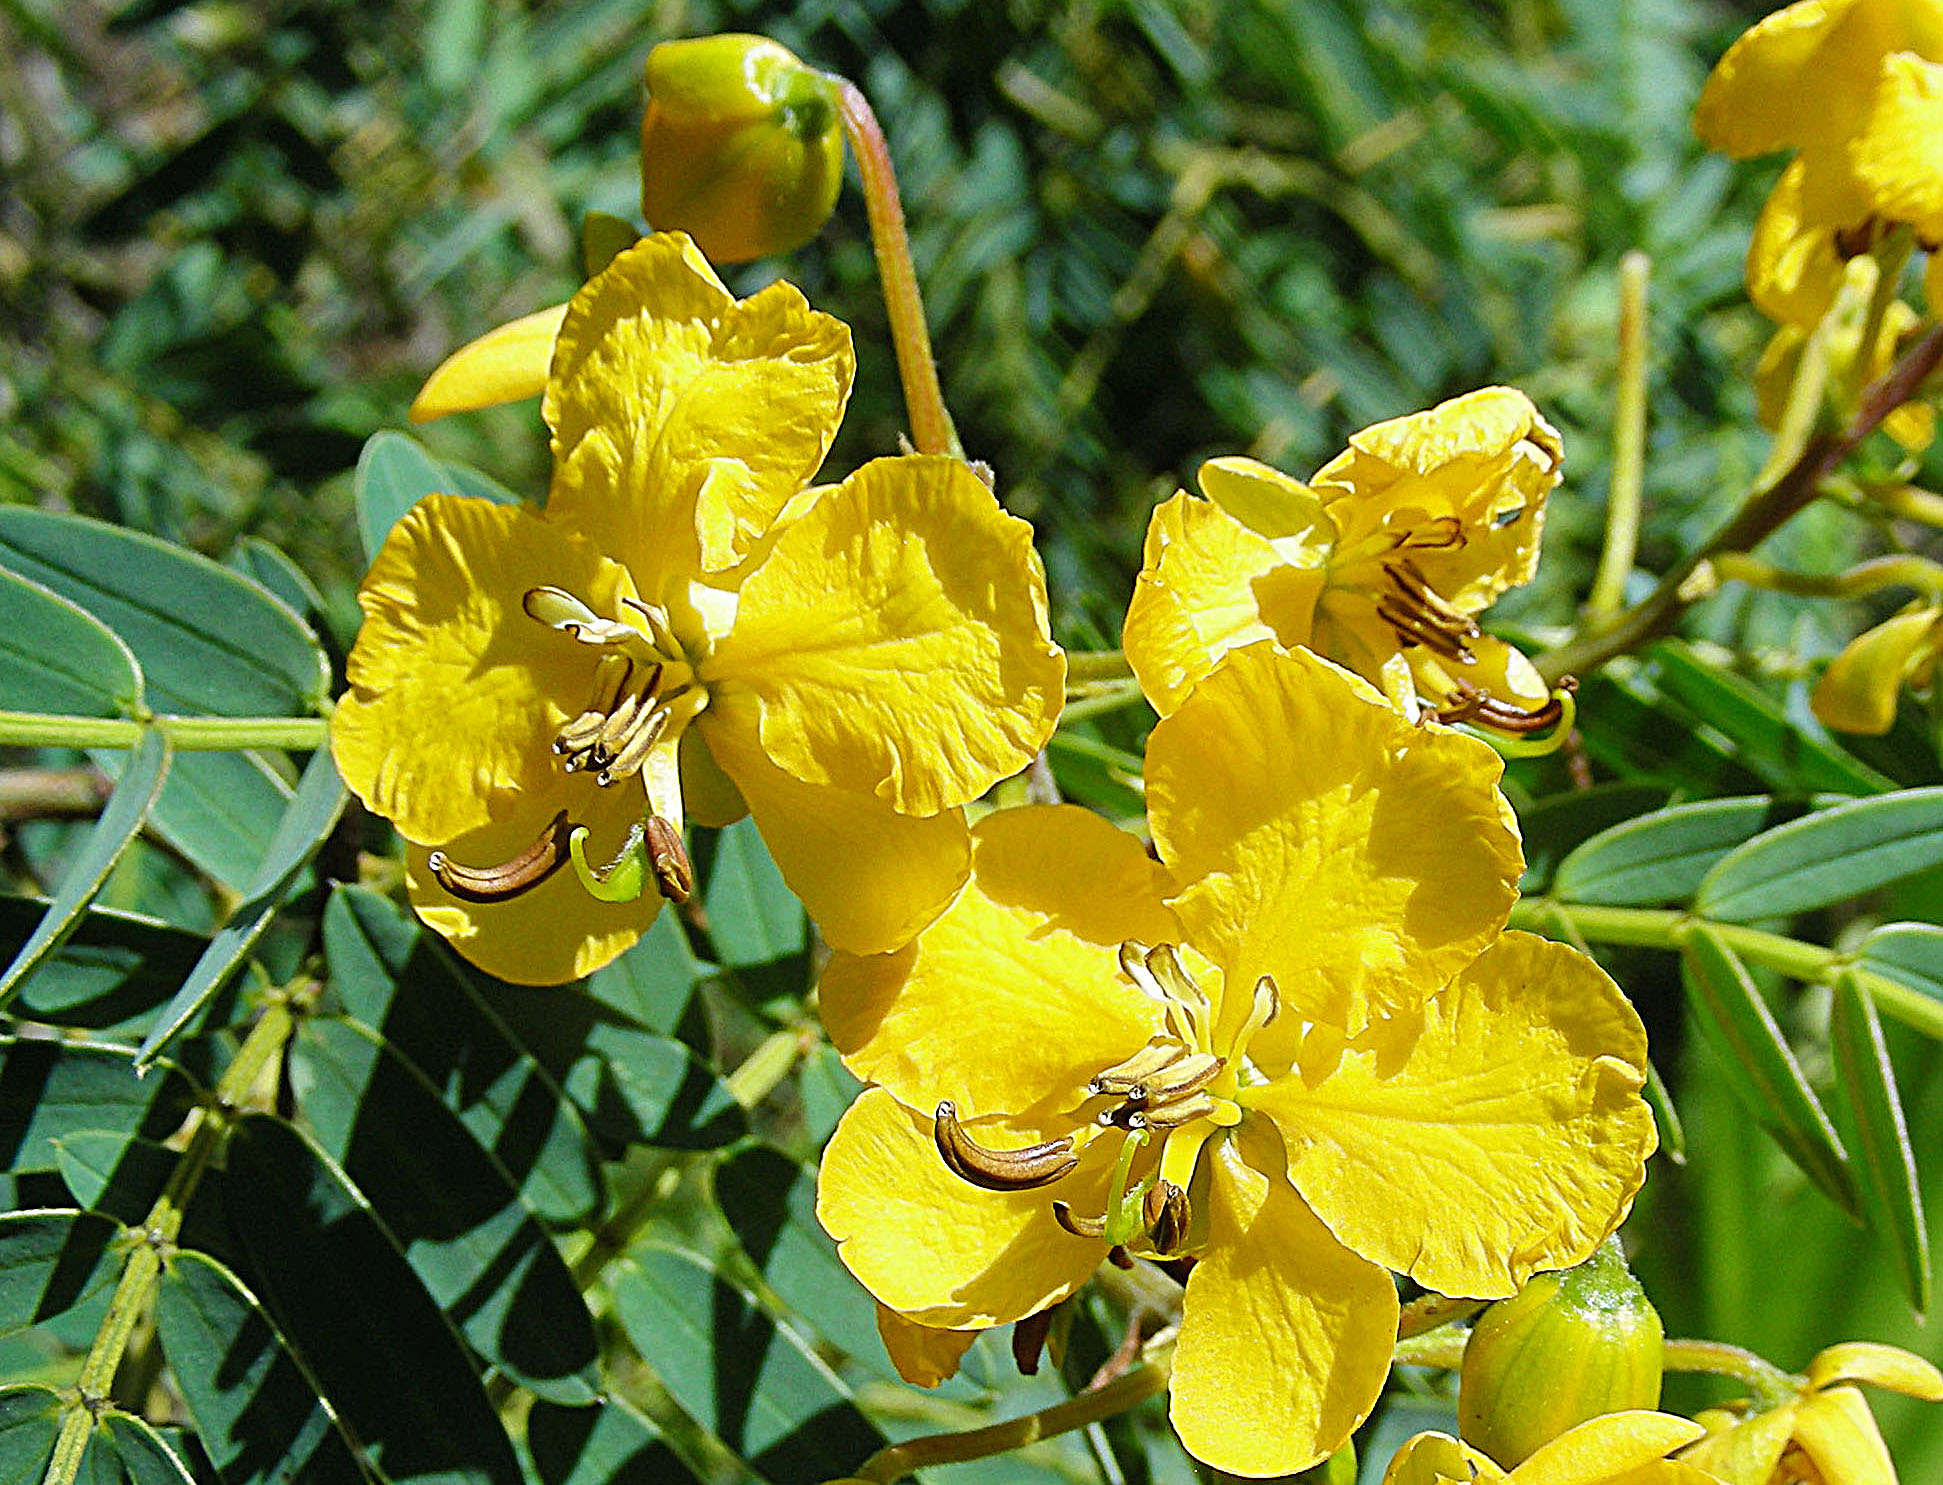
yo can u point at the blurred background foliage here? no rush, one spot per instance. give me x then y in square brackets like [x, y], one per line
[235, 235]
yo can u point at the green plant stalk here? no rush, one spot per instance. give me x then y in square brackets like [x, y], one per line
[135, 1289]
[1083, 666]
[932, 431]
[1766, 510]
[1911, 502]
[1098, 700]
[1903, 569]
[1667, 928]
[1123, 1392]
[185, 734]
[1628, 444]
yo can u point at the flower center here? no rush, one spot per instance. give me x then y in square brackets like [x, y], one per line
[645, 695]
[1162, 1104]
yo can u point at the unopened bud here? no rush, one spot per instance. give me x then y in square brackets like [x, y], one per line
[1569, 1347]
[742, 146]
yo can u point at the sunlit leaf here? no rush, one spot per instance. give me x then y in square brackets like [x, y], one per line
[56, 658]
[1885, 1161]
[1828, 857]
[1662, 857]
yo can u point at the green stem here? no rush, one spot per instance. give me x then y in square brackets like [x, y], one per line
[155, 1240]
[1097, 700]
[1764, 512]
[1441, 1348]
[1905, 570]
[1667, 928]
[1717, 1358]
[1123, 1392]
[1628, 444]
[1911, 502]
[931, 427]
[1096, 665]
[186, 734]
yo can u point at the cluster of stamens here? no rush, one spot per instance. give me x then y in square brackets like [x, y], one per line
[1421, 616]
[621, 724]
[1165, 1085]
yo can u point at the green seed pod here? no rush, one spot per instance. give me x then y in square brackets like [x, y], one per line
[741, 147]
[1568, 1347]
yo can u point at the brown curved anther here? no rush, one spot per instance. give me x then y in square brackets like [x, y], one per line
[1029, 1339]
[1000, 1170]
[1078, 1226]
[1166, 1213]
[674, 873]
[510, 878]
[1473, 705]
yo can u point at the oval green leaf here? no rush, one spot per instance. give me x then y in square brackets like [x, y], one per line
[1885, 1161]
[1760, 1066]
[51, 1261]
[395, 472]
[1661, 857]
[1825, 858]
[57, 658]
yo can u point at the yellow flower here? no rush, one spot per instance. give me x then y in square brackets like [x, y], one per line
[1298, 1049]
[1855, 88]
[1857, 693]
[1826, 1435]
[686, 630]
[1614, 1449]
[1381, 563]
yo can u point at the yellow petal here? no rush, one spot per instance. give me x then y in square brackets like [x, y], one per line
[455, 693]
[1898, 157]
[1485, 461]
[503, 365]
[1521, 1092]
[1747, 1452]
[1611, 1448]
[1836, 1430]
[1857, 693]
[1209, 584]
[1360, 860]
[1883, 1366]
[895, 640]
[871, 878]
[1439, 1459]
[1267, 502]
[1497, 669]
[683, 420]
[1014, 998]
[1793, 269]
[1285, 1336]
[942, 1252]
[923, 1356]
[1933, 285]
[557, 931]
[1754, 100]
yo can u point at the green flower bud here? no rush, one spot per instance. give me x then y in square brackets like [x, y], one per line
[1568, 1347]
[742, 146]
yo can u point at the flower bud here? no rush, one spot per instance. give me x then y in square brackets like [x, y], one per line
[742, 146]
[1567, 1348]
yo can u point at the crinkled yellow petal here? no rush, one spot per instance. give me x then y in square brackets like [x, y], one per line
[895, 640]
[1319, 838]
[1613, 1449]
[1747, 1452]
[1014, 998]
[1439, 1459]
[503, 365]
[1793, 269]
[1898, 156]
[1484, 461]
[684, 420]
[1883, 1366]
[1285, 1334]
[557, 931]
[1269, 503]
[1758, 97]
[923, 1356]
[871, 878]
[939, 1250]
[455, 693]
[1209, 584]
[1857, 693]
[1838, 1433]
[1521, 1091]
